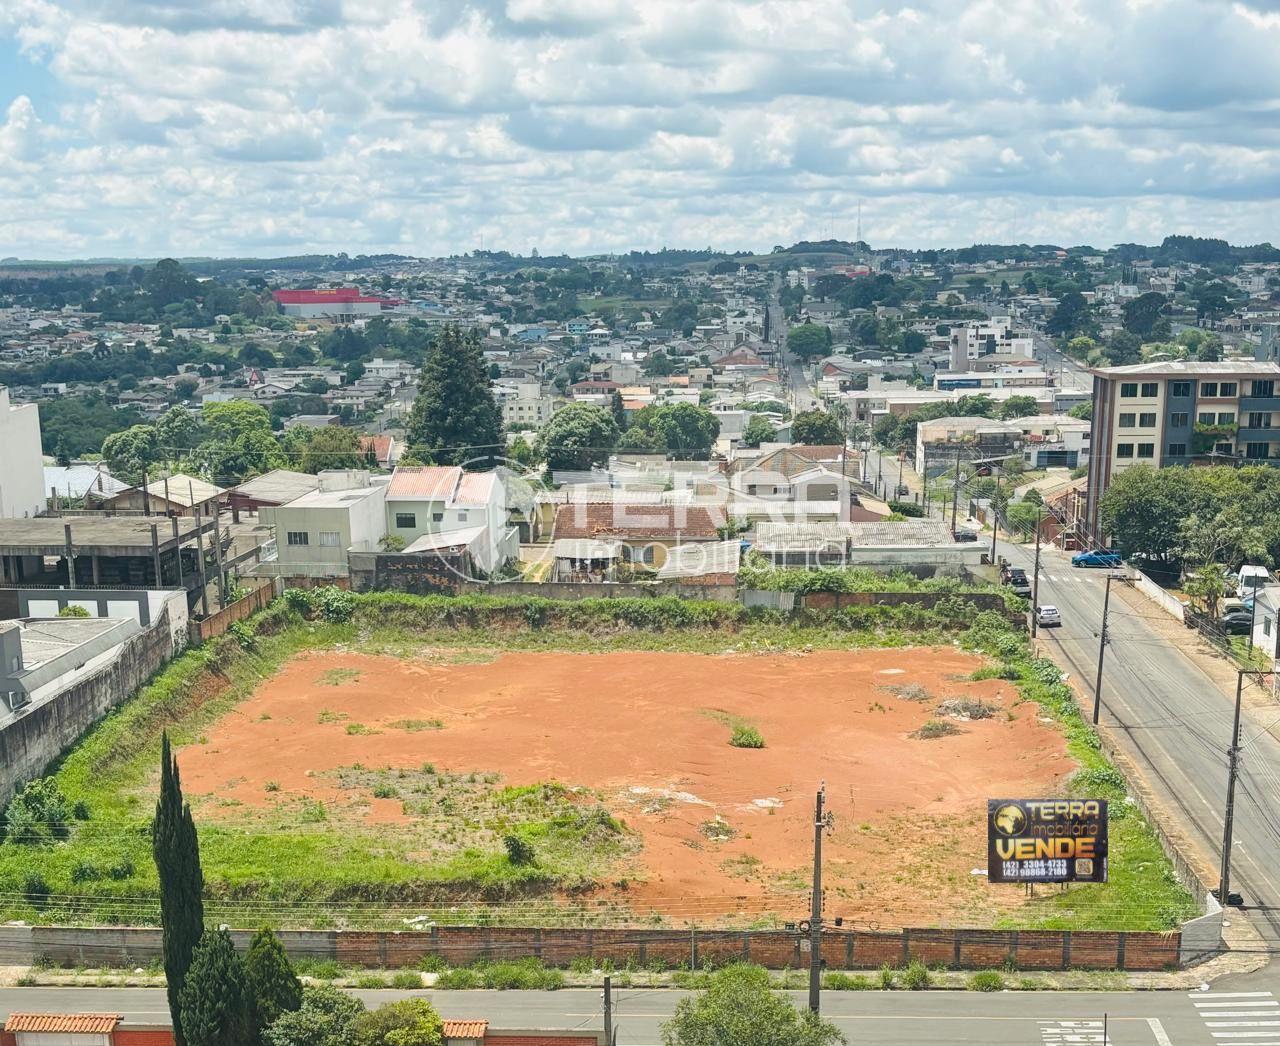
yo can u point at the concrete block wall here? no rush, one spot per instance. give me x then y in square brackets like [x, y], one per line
[32, 740]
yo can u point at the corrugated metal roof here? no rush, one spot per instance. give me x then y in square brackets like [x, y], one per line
[72, 1023]
[455, 1029]
[424, 481]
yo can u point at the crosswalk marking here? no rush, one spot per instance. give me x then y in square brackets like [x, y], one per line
[1073, 1033]
[1255, 1011]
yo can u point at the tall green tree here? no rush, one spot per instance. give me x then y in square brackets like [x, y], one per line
[809, 340]
[455, 417]
[333, 447]
[577, 437]
[741, 1008]
[214, 998]
[816, 428]
[681, 429]
[758, 431]
[618, 410]
[1018, 407]
[273, 987]
[177, 855]
[127, 453]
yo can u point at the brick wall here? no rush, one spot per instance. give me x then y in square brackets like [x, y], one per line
[216, 624]
[461, 945]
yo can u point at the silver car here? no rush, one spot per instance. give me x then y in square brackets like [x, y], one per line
[1047, 616]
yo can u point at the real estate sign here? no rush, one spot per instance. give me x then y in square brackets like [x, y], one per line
[1047, 840]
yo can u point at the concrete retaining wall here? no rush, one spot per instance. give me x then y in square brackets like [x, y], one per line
[35, 737]
[460, 945]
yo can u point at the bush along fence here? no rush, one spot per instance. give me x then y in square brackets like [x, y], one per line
[650, 948]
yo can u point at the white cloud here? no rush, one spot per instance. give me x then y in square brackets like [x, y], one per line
[234, 126]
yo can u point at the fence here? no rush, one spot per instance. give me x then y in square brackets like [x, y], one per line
[776, 949]
[215, 624]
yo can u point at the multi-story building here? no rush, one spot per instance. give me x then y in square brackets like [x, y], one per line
[1181, 412]
[22, 492]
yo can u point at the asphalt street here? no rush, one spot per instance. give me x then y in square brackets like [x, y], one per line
[1175, 721]
[1244, 1010]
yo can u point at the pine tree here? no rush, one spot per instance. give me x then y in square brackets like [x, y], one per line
[455, 417]
[273, 987]
[177, 855]
[619, 411]
[214, 998]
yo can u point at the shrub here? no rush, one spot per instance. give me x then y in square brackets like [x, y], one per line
[966, 708]
[745, 736]
[934, 729]
[121, 870]
[887, 977]
[916, 976]
[327, 1016]
[38, 814]
[463, 979]
[519, 852]
[335, 604]
[907, 508]
[986, 981]
[73, 610]
[521, 975]
[85, 872]
[35, 889]
[243, 633]
[406, 979]
[300, 600]
[433, 964]
[411, 1022]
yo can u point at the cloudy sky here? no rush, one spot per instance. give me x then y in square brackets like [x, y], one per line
[259, 127]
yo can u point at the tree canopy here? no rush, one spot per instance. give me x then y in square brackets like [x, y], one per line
[680, 429]
[455, 417]
[816, 428]
[577, 437]
[758, 431]
[809, 340]
[741, 1008]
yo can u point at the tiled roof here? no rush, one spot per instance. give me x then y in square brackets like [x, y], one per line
[424, 481]
[380, 445]
[605, 519]
[465, 1029]
[475, 488]
[73, 1023]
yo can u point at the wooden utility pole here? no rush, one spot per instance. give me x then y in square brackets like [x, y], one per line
[815, 909]
[1103, 639]
[1035, 581]
[1228, 821]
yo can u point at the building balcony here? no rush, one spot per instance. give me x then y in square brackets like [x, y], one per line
[1261, 403]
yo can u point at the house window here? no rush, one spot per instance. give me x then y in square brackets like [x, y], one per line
[437, 517]
[1209, 389]
[1223, 448]
[329, 538]
[1180, 388]
[1147, 421]
[1259, 420]
[1177, 450]
[1179, 420]
[1264, 389]
[1227, 388]
[1129, 389]
[1205, 417]
[1150, 389]
[1146, 450]
[1227, 417]
[1126, 421]
[1257, 451]
[406, 520]
[297, 537]
[1266, 626]
[462, 517]
[1124, 450]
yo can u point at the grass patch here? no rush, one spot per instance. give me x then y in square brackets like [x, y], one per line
[986, 981]
[743, 734]
[359, 730]
[414, 726]
[338, 676]
[934, 729]
[966, 709]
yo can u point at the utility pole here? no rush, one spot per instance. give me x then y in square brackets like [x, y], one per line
[1102, 650]
[901, 456]
[1233, 768]
[955, 492]
[1035, 582]
[995, 524]
[815, 911]
[608, 1010]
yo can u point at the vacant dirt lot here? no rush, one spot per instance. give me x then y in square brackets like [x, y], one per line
[723, 827]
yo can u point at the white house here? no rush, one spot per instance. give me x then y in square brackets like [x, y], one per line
[434, 499]
[315, 532]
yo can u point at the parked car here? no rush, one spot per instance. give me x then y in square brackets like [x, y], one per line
[902, 490]
[1097, 558]
[1047, 616]
[960, 534]
[1236, 622]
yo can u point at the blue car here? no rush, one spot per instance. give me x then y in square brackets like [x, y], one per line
[1097, 558]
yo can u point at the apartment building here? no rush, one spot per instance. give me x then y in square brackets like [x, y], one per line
[1181, 412]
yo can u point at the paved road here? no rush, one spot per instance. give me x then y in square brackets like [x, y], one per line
[880, 1018]
[1071, 376]
[1176, 721]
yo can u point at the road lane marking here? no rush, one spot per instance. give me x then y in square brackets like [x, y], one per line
[1157, 1029]
[1229, 995]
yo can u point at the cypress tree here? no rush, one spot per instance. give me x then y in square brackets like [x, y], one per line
[214, 998]
[273, 987]
[455, 418]
[177, 855]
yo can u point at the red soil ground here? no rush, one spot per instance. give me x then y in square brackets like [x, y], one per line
[906, 810]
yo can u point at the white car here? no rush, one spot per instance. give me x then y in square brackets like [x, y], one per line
[1047, 616]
